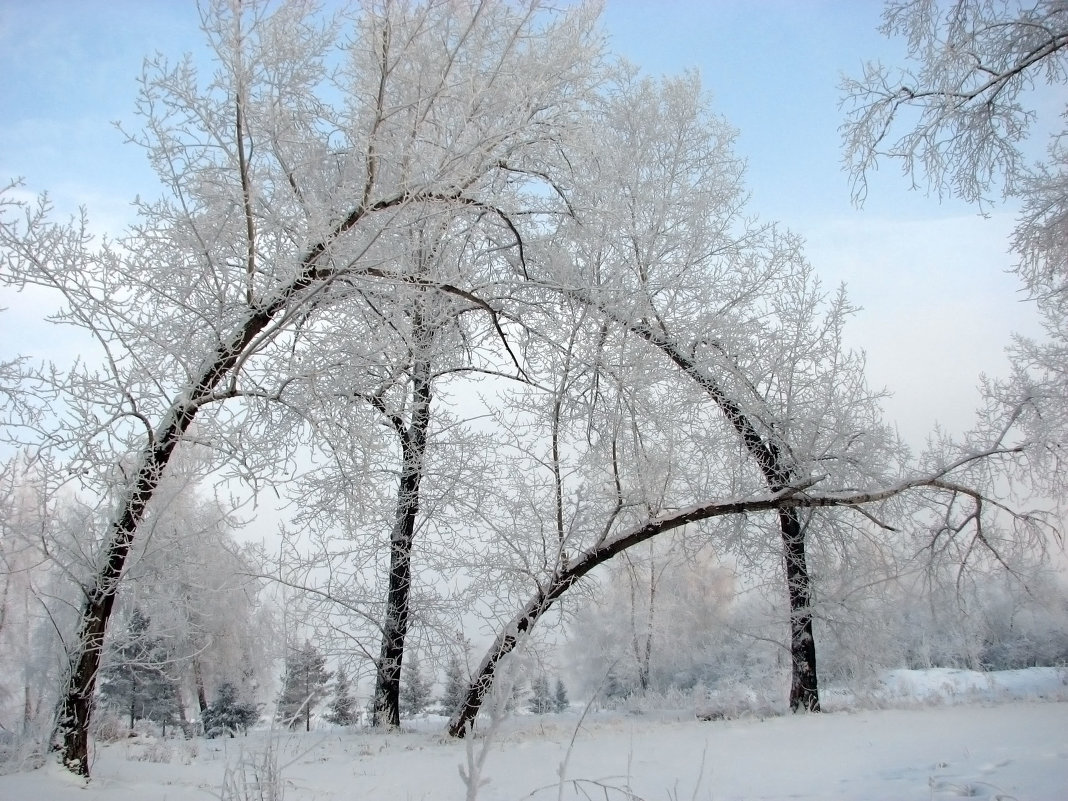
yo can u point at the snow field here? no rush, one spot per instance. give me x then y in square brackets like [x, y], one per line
[961, 743]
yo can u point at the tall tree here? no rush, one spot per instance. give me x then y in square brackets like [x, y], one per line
[282, 177]
[732, 306]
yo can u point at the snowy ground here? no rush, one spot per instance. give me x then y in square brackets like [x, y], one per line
[943, 735]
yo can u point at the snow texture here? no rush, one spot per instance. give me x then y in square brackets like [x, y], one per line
[954, 734]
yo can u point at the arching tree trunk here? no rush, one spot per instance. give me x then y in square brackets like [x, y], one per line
[778, 473]
[786, 501]
[70, 736]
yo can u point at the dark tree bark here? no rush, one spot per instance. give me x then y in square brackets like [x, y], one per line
[71, 734]
[308, 691]
[778, 474]
[413, 438]
[202, 696]
[804, 681]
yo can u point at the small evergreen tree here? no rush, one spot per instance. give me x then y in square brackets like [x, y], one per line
[343, 709]
[137, 682]
[561, 701]
[613, 689]
[541, 701]
[415, 687]
[455, 685]
[303, 686]
[227, 714]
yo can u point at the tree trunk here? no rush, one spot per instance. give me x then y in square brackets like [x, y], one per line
[635, 644]
[183, 715]
[71, 734]
[785, 501]
[778, 474]
[642, 642]
[387, 678]
[413, 449]
[202, 697]
[27, 708]
[804, 681]
[647, 651]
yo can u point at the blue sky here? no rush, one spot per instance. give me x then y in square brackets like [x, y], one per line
[938, 306]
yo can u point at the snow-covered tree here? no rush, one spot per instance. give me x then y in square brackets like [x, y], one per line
[455, 684]
[136, 681]
[416, 688]
[560, 699]
[646, 329]
[304, 685]
[541, 700]
[343, 709]
[228, 714]
[285, 177]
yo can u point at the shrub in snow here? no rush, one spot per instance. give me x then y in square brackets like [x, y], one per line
[110, 728]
